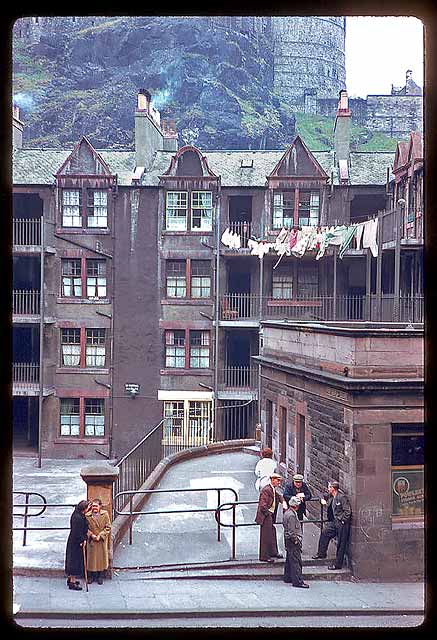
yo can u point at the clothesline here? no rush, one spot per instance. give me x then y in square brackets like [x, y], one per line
[298, 240]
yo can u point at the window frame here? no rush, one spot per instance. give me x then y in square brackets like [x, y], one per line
[78, 205]
[86, 207]
[99, 207]
[189, 351]
[190, 279]
[404, 475]
[80, 402]
[186, 201]
[85, 278]
[187, 413]
[83, 345]
[295, 202]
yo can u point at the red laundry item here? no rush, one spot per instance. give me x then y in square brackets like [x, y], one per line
[293, 238]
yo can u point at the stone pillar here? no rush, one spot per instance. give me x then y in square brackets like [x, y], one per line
[99, 478]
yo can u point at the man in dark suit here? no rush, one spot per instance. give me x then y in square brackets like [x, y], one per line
[268, 502]
[293, 545]
[297, 487]
[339, 514]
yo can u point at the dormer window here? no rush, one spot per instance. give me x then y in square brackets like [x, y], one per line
[71, 208]
[300, 207]
[186, 211]
[201, 210]
[97, 209]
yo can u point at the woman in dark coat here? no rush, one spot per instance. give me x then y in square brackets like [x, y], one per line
[74, 551]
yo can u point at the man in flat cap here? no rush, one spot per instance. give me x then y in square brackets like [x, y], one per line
[293, 544]
[298, 488]
[268, 502]
[339, 514]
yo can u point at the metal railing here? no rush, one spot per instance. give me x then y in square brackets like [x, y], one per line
[243, 229]
[238, 378]
[408, 308]
[233, 505]
[26, 302]
[26, 232]
[119, 510]
[25, 373]
[136, 466]
[26, 514]
[239, 306]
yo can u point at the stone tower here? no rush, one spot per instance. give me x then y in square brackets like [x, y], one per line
[309, 54]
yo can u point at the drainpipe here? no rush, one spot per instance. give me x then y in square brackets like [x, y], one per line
[397, 265]
[334, 310]
[261, 283]
[379, 269]
[111, 367]
[217, 310]
[41, 343]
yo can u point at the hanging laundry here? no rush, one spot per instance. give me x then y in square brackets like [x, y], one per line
[350, 232]
[369, 236]
[313, 237]
[302, 242]
[332, 236]
[359, 234]
[293, 238]
[259, 248]
[226, 237]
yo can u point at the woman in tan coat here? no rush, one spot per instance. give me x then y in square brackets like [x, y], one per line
[99, 534]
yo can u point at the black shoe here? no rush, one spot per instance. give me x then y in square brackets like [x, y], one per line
[332, 567]
[74, 586]
[302, 585]
[99, 580]
[317, 557]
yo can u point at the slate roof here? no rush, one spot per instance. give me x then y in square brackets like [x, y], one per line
[38, 166]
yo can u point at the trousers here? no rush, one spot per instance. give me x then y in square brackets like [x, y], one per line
[334, 530]
[268, 546]
[293, 562]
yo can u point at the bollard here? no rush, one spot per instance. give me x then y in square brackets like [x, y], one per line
[99, 478]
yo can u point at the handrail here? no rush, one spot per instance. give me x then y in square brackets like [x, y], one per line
[26, 515]
[132, 513]
[232, 505]
[148, 435]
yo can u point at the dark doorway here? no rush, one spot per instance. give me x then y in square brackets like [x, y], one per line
[238, 349]
[25, 423]
[240, 209]
[238, 418]
[238, 281]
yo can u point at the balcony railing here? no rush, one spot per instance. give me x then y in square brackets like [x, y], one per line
[26, 232]
[25, 373]
[239, 306]
[238, 378]
[244, 306]
[243, 229]
[26, 303]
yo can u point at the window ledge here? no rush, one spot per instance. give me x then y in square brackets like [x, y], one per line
[169, 232]
[186, 372]
[88, 370]
[411, 523]
[80, 440]
[187, 301]
[82, 301]
[95, 231]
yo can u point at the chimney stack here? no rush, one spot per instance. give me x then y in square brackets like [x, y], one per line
[342, 136]
[148, 134]
[17, 128]
[170, 135]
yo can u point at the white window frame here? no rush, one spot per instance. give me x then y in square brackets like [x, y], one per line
[71, 208]
[314, 209]
[200, 353]
[97, 210]
[175, 354]
[70, 282]
[95, 352]
[96, 284]
[188, 422]
[94, 423]
[70, 351]
[201, 210]
[279, 220]
[69, 422]
[176, 210]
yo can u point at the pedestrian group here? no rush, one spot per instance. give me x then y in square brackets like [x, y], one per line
[295, 495]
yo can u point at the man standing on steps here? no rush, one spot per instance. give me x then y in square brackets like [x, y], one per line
[293, 544]
[297, 487]
[268, 502]
[339, 516]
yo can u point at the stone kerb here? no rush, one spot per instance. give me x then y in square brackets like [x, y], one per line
[121, 522]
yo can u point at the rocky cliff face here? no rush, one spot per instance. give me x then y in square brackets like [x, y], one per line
[216, 85]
